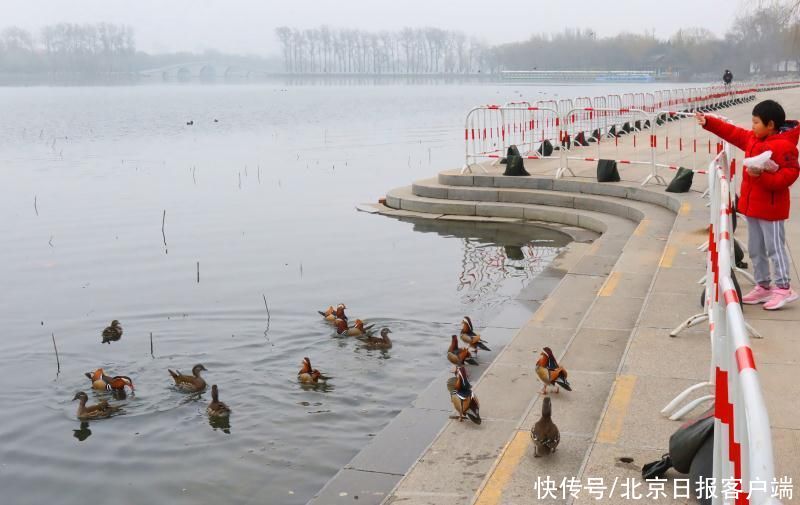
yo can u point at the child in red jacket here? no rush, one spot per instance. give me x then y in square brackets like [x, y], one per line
[764, 198]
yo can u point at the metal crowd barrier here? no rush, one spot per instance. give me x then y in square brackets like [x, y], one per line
[743, 453]
[550, 129]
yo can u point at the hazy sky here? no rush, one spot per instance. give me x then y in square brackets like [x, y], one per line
[247, 26]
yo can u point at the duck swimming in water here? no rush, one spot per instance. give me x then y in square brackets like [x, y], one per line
[381, 342]
[357, 330]
[217, 408]
[189, 383]
[103, 382]
[99, 411]
[112, 333]
[308, 375]
[331, 314]
[471, 338]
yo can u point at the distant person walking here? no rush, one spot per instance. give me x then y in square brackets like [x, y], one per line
[727, 77]
[772, 167]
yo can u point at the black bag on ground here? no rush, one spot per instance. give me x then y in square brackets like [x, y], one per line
[682, 181]
[546, 149]
[514, 163]
[685, 445]
[607, 171]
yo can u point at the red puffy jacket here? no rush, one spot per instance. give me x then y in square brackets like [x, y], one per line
[766, 196]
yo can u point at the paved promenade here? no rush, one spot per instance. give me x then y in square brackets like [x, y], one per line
[608, 320]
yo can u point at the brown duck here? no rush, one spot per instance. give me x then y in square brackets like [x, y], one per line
[459, 356]
[382, 342]
[464, 401]
[545, 433]
[357, 330]
[112, 333]
[217, 408]
[331, 314]
[102, 381]
[99, 411]
[550, 373]
[189, 383]
[471, 338]
[308, 375]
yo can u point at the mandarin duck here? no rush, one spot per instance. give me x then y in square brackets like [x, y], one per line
[102, 381]
[459, 356]
[357, 330]
[112, 333]
[545, 433]
[464, 400]
[331, 314]
[381, 342]
[217, 408]
[471, 338]
[98, 411]
[309, 375]
[189, 383]
[550, 373]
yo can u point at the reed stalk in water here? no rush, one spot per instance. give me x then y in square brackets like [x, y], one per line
[58, 361]
[151, 345]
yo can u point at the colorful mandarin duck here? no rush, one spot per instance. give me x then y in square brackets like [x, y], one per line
[550, 373]
[381, 342]
[112, 333]
[464, 401]
[102, 381]
[471, 338]
[217, 408]
[459, 356]
[189, 383]
[99, 411]
[545, 433]
[331, 314]
[308, 375]
[357, 330]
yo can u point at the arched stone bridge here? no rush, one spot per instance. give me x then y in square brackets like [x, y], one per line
[201, 70]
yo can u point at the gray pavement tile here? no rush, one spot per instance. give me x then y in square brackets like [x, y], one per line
[653, 352]
[614, 312]
[668, 310]
[459, 459]
[352, 486]
[595, 265]
[405, 438]
[596, 350]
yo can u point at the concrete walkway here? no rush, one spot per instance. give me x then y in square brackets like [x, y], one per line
[608, 321]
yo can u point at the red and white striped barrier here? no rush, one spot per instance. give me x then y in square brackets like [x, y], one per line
[743, 452]
[565, 124]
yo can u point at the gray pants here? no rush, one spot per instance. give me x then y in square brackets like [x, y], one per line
[766, 243]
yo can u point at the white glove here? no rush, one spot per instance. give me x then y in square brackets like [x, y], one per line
[761, 162]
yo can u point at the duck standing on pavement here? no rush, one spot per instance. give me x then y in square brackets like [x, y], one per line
[550, 373]
[545, 433]
[471, 338]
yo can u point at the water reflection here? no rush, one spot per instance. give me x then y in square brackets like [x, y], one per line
[83, 432]
[220, 423]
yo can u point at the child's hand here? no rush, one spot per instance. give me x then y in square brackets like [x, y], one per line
[701, 118]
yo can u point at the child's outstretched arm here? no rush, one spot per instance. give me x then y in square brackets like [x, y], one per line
[785, 175]
[726, 131]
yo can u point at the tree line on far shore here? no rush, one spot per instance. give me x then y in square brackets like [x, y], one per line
[764, 39]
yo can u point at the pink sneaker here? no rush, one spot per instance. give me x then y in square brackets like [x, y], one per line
[757, 295]
[780, 297]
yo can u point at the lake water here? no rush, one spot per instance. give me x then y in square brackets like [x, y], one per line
[263, 200]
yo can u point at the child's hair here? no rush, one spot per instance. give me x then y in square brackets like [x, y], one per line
[770, 110]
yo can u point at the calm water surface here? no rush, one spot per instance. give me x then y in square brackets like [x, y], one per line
[263, 199]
